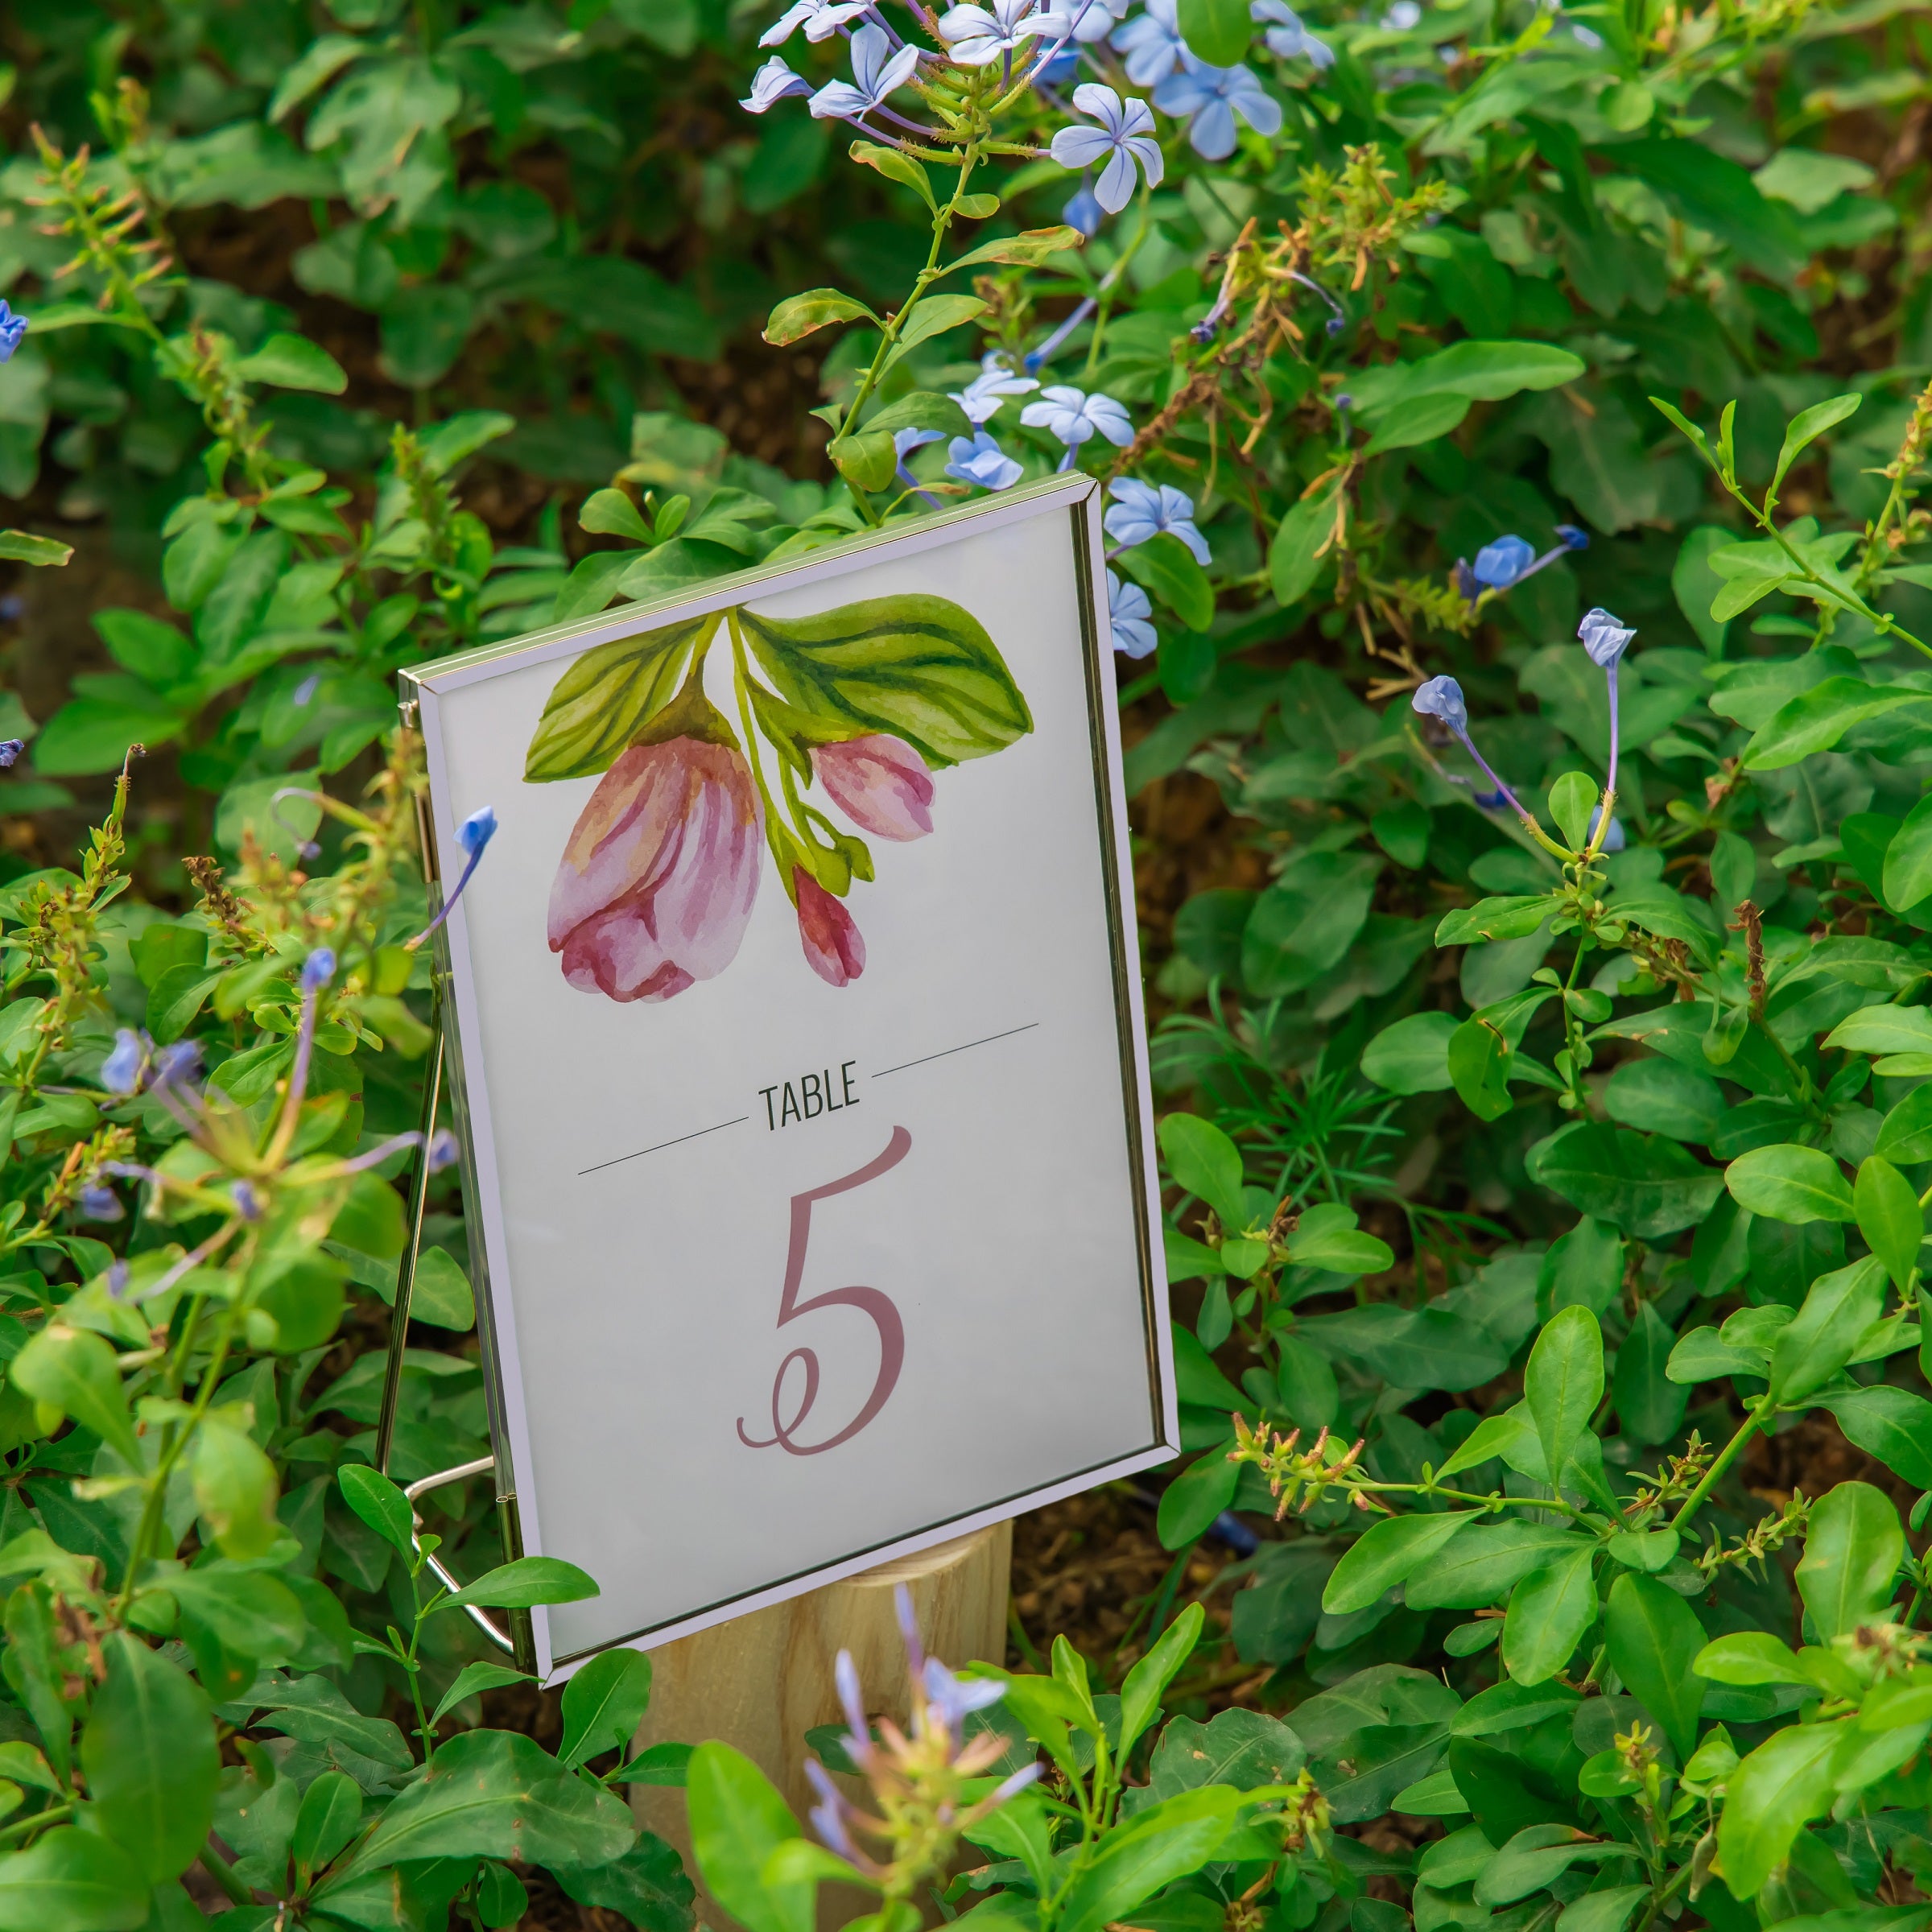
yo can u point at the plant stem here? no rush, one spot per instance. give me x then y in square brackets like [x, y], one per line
[1752, 1422]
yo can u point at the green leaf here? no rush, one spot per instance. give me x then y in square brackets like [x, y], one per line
[1907, 872]
[440, 1293]
[1905, 1138]
[1893, 1424]
[1514, 917]
[1197, 1380]
[152, 1762]
[496, 1795]
[1203, 1160]
[924, 409]
[331, 1814]
[917, 666]
[738, 1821]
[235, 1489]
[1608, 1911]
[250, 1612]
[1302, 542]
[72, 1881]
[937, 314]
[19, 546]
[1890, 1217]
[1790, 1183]
[1217, 32]
[1749, 1657]
[1549, 1612]
[1712, 192]
[1338, 1250]
[472, 1678]
[1165, 1842]
[646, 1886]
[526, 1581]
[599, 707]
[1387, 1554]
[74, 1371]
[1413, 1055]
[1191, 1503]
[1145, 1682]
[867, 461]
[1643, 1183]
[286, 361]
[1479, 1061]
[1426, 420]
[609, 513]
[603, 1705]
[1853, 1547]
[1817, 1342]
[1165, 565]
[1807, 426]
[1027, 250]
[1564, 1381]
[895, 167]
[1770, 1798]
[1884, 1030]
[798, 316]
[1815, 720]
[1654, 1638]
[1694, 583]
[381, 1505]
[1573, 800]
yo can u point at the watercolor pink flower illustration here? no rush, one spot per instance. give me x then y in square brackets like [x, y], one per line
[861, 705]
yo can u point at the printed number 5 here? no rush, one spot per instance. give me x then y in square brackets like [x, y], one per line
[871, 1301]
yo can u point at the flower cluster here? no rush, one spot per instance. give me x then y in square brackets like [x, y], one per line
[1300, 1478]
[920, 1779]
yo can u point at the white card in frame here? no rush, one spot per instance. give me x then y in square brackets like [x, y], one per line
[795, 1030]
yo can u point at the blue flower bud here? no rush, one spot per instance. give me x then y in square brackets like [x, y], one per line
[180, 1062]
[121, 1071]
[442, 1150]
[1613, 839]
[1604, 638]
[477, 830]
[10, 749]
[248, 1203]
[1501, 564]
[1572, 538]
[318, 969]
[101, 1203]
[118, 1275]
[1442, 698]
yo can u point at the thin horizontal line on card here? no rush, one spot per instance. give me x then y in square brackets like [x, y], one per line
[662, 1144]
[946, 1050]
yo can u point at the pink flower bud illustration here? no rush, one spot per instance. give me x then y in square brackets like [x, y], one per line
[833, 944]
[880, 783]
[657, 882]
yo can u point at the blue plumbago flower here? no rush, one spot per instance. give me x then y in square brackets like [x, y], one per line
[1604, 638]
[1036, 358]
[976, 34]
[477, 830]
[100, 1204]
[318, 969]
[248, 1202]
[1585, 37]
[1503, 563]
[981, 461]
[1442, 698]
[473, 835]
[951, 1699]
[1076, 417]
[820, 19]
[771, 84]
[1152, 43]
[119, 1274]
[877, 71]
[182, 1061]
[1057, 68]
[1131, 616]
[1084, 212]
[305, 691]
[121, 1071]
[1210, 97]
[1125, 135]
[905, 441]
[1613, 839]
[1571, 538]
[1404, 15]
[1141, 511]
[10, 749]
[983, 397]
[1286, 36]
[1094, 19]
[442, 1150]
[13, 331]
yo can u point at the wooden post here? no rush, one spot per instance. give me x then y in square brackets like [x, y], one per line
[761, 1681]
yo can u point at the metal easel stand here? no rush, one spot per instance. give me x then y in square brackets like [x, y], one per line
[506, 1640]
